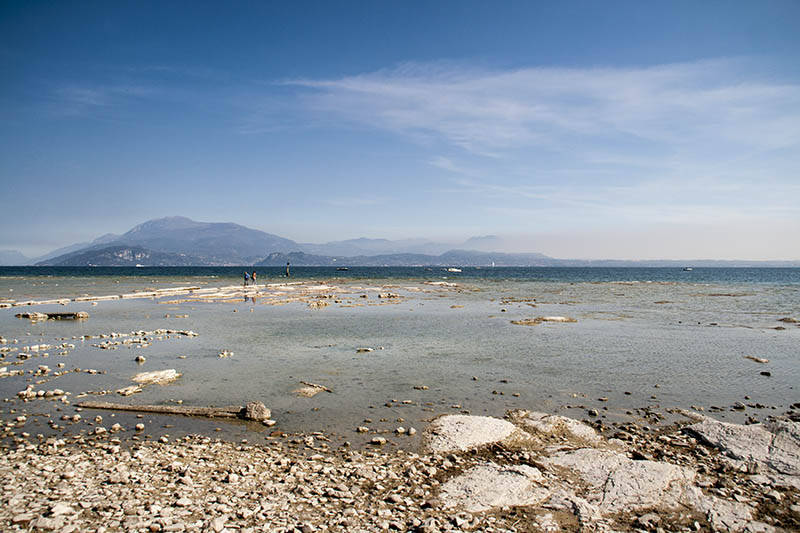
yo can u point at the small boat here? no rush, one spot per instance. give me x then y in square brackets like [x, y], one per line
[342, 269]
[451, 269]
[687, 269]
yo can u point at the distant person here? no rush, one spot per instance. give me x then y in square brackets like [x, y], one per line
[287, 269]
[253, 277]
[246, 278]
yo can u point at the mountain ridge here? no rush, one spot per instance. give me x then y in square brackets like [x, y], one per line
[182, 241]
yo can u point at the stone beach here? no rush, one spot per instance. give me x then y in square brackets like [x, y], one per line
[473, 474]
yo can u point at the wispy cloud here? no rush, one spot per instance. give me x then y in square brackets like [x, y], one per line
[83, 99]
[708, 140]
[668, 108]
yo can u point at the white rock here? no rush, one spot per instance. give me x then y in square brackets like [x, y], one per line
[218, 524]
[489, 485]
[183, 502]
[551, 425]
[61, 509]
[158, 377]
[774, 446]
[463, 432]
[618, 483]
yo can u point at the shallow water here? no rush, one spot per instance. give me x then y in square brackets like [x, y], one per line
[680, 340]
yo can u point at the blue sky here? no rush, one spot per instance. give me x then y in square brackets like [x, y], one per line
[575, 129]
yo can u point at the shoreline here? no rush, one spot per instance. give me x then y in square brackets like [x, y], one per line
[380, 369]
[527, 472]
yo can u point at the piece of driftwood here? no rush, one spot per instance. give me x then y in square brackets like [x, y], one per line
[34, 315]
[256, 410]
[311, 389]
[316, 386]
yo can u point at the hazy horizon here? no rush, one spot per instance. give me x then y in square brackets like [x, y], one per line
[505, 244]
[579, 130]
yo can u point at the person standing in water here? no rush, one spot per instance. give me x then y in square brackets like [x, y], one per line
[287, 269]
[246, 278]
[253, 277]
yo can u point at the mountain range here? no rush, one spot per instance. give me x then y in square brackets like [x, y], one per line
[180, 241]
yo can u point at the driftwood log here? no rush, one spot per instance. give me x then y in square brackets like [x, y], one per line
[34, 315]
[252, 411]
[316, 386]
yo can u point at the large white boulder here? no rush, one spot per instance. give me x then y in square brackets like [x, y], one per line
[773, 446]
[488, 485]
[464, 432]
[617, 483]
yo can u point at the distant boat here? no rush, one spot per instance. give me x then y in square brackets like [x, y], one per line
[451, 269]
[687, 269]
[138, 265]
[342, 269]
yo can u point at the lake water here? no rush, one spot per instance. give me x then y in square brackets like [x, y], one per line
[657, 337]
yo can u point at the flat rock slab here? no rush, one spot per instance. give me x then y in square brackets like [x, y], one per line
[773, 446]
[464, 432]
[727, 516]
[488, 485]
[618, 483]
[157, 377]
[557, 426]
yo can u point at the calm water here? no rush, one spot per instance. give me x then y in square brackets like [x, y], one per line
[678, 336]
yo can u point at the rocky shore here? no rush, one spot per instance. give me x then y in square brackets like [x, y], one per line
[528, 472]
[64, 466]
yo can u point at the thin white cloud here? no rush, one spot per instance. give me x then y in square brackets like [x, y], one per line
[83, 99]
[670, 108]
[679, 143]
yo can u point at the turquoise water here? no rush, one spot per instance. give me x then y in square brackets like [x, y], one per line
[679, 336]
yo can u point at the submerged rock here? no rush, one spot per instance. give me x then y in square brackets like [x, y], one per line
[158, 377]
[309, 390]
[256, 411]
[538, 320]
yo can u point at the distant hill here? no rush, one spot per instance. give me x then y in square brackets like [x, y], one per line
[209, 243]
[451, 258]
[104, 239]
[364, 246]
[125, 256]
[486, 243]
[369, 247]
[13, 258]
[181, 241]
